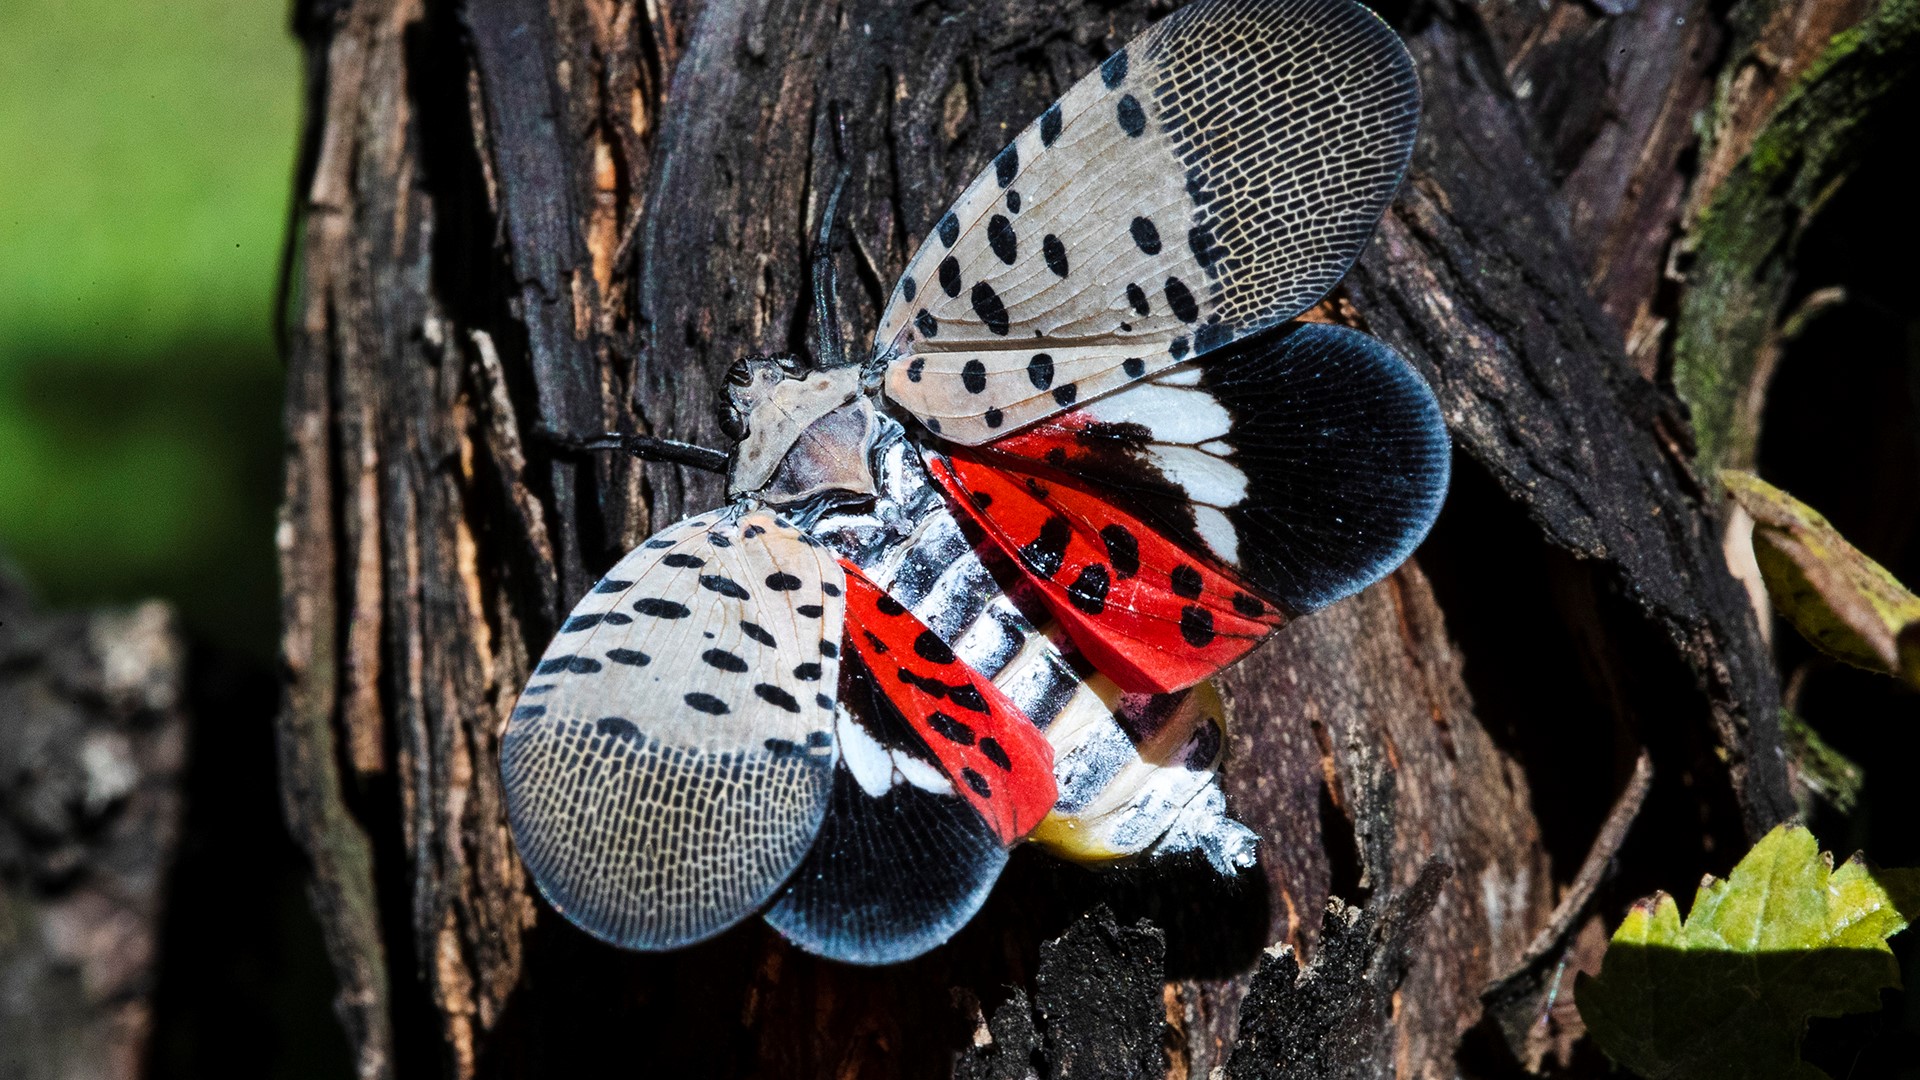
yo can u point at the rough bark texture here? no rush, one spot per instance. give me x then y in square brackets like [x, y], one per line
[523, 219]
[92, 754]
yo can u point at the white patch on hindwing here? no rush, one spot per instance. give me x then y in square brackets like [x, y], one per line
[1217, 532]
[876, 767]
[1170, 413]
[1206, 479]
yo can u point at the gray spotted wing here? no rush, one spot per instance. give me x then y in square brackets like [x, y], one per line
[670, 761]
[1214, 178]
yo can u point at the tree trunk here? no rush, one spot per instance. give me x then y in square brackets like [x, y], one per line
[522, 218]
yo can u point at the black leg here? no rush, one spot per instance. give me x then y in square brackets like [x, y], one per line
[647, 448]
[829, 348]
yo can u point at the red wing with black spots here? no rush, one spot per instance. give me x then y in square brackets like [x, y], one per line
[994, 756]
[1146, 612]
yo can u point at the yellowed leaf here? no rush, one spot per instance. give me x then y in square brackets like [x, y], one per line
[1846, 604]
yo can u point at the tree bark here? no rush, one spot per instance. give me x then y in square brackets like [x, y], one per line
[522, 219]
[93, 741]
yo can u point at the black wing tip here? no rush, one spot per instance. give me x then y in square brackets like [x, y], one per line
[1370, 491]
[889, 879]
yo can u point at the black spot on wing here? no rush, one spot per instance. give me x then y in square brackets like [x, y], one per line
[996, 753]
[927, 685]
[1055, 253]
[660, 608]
[1134, 367]
[1133, 119]
[977, 782]
[1186, 582]
[775, 696]
[1180, 299]
[612, 585]
[758, 633]
[987, 305]
[949, 229]
[926, 324]
[629, 657]
[1137, 299]
[701, 701]
[909, 288]
[575, 665]
[1145, 236]
[724, 660]
[1050, 125]
[994, 417]
[915, 367]
[1006, 165]
[949, 274]
[683, 561]
[1065, 394]
[1040, 371]
[781, 581]
[973, 376]
[724, 585]
[930, 648]
[1114, 69]
[1089, 590]
[954, 731]
[1049, 549]
[965, 695]
[1001, 238]
[1196, 626]
[617, 727]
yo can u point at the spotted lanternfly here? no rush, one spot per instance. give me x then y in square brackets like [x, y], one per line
[970, 588]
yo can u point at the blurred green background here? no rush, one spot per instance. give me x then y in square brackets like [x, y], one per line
[146, 154]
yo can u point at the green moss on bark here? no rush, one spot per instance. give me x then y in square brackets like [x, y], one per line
[1743, 244]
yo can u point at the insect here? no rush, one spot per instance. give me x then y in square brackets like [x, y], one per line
[970, 587]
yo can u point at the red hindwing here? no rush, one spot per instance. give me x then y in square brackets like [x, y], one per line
[1146, 612]
[997, 760]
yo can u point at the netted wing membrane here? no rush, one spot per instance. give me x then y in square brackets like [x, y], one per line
[670, 761]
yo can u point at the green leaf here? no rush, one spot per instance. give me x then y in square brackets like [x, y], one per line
[1847, 605]
[1728, 991]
